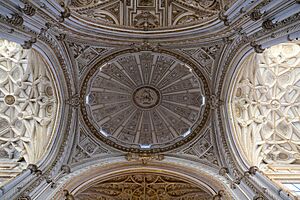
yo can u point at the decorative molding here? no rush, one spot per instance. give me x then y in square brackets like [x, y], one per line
[268, 24]
[66, 13]
[144, 158]
[28, 9]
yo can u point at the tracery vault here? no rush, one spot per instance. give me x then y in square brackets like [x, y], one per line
[266, 106]
[28, 105]
[265, 110]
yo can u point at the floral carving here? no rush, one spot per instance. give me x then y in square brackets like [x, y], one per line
[142, 186]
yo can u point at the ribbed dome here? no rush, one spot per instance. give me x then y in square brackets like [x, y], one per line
[145, 100]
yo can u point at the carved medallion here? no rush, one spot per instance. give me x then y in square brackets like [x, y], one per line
[9, 99]
[146, 97]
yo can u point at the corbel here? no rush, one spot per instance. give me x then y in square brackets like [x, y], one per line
[256, 15]
[257, 47]
[64, 14]
[47, 25]
[28, 9]
[34, 169]
[219, 195]
[15, 19]
[51, 182]
[28, 44]
[223, 17]
[268, 24]
[227, 40]
[66, 169]
[68, 195]
[61, 36]
[250, 172]
[223, 171]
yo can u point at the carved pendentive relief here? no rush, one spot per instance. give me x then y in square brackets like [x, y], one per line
[203, 149]
[84, 54]
[144, 101]
[143, 186]
[28, 106]
[147, 14]
[265, 107]
[86, 148]
[205, 56]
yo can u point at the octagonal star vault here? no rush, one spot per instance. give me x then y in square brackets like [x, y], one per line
[144, 101]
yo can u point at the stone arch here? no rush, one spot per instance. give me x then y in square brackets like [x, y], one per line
[84, 176]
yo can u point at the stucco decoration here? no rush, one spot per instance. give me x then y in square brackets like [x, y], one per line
[265, 107]
[203, 149]
[28, 105]
[146, 14]
[143, 186]
[86, 148]
[145, 101]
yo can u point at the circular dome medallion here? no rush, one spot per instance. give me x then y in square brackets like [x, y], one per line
[9, 99]
[144, 101]
[146, 97]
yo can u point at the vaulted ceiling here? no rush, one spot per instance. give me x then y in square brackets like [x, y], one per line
[149, 99]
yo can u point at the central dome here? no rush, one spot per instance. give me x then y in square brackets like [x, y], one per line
[144, 100]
